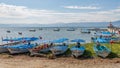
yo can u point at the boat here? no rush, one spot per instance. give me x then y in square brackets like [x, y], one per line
[3, 49]
[70, 29]
[17, 44]
[102, 51]
[77, 50]
[8, 31]
[21, 48]
[40, 28]
[104, 36]
[32, 30]
[59, 48]
[56, 29]
[41, 48]
[85, 31]
[20, 33]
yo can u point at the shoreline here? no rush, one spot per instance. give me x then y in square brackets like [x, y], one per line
[24, 61]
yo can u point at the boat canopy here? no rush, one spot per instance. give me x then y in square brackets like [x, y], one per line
[78, 40]
[101, 40]
[22, 39]
[61, 40]
[106, 33]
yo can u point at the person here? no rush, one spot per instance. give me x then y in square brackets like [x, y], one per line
[78, 44]
[29, 43]
[64, 44]
[51, 44]
[98, 46]
[36, 44]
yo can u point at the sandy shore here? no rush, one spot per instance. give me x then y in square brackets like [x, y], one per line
[24, 61]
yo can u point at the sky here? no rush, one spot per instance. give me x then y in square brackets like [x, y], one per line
[58, 11]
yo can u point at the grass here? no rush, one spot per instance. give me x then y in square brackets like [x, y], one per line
[115, 50]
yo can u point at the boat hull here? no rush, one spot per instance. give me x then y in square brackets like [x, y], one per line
[57, 50]
[77, 51]
[3, 49]
[103, 52]
[34, 51]
[17, 50]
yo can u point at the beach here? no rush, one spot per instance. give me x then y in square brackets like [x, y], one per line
[24, 61]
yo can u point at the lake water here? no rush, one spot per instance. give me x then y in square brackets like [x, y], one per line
[46, 33]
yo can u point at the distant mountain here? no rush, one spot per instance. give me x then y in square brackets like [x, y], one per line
[73, 24]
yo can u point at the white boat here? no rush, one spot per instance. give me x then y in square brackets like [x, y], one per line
[8, 31]
[85, 31]
[17, 50]
[59, 49]
[41, 49]
[56, 29]
[77, 51]
[21, 48]
[70, 29]
[3, 49]
[102, 51]
[32, 30]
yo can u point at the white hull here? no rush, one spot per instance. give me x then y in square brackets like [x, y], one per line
[38, 51]
[58, 51]
[17, 50]
[3, 50]
[77, 53]
[103, 54]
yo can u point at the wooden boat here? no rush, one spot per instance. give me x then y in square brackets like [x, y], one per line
[21, 48]
[59, 49]
[3, 49]
[40, 28]
[20, 33]
[77, 51]
[70, 29]
[32, 30]
[40, 49]
[102, 51]
[85, 31]
[8, 31]
[56, 29]
[19, 45]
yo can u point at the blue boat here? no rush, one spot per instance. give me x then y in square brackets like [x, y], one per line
[102, 51]
[20, 48]
[3, 49]
[59, 48]
[43, 47]
[21, 39]
[77, 51]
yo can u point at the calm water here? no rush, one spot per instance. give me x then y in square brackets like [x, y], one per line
[46, 33]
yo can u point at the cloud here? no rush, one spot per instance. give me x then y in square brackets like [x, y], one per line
[21, 14]
[81, 7]
[12, 11]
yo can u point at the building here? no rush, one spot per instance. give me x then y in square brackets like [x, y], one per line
[113, 29]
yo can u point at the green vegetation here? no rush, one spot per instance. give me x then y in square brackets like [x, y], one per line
[90, 52]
